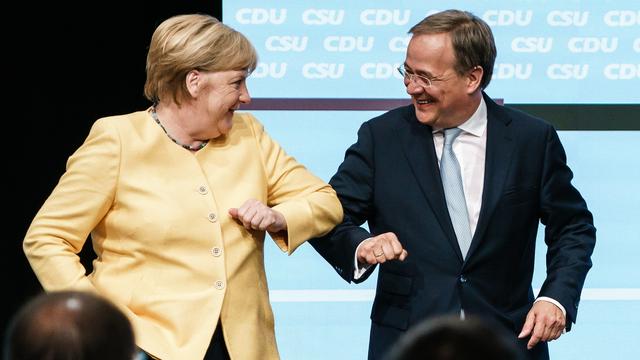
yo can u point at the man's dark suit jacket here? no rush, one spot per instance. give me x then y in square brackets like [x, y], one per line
[390, 179]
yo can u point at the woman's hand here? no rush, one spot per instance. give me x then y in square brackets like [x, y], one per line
[255, 215]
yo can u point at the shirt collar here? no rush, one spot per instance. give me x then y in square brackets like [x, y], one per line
[476, 124]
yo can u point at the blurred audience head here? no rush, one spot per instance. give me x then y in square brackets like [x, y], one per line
[69, 325]
[450, 338]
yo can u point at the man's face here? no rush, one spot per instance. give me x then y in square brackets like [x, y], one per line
[447, 102]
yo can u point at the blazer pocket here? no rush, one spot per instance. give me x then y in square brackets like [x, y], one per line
[395, 284]
[520, 195]
[390, 307]
[388, 315]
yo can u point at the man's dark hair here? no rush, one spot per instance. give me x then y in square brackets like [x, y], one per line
[69, 325]
[471, 37]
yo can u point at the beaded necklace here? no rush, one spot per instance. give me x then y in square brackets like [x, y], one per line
[188, 147]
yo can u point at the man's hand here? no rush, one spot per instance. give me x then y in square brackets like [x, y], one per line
[379, 249]
[255, 215]
[545, 322]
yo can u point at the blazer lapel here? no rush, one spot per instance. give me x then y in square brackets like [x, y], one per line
[417, 140]
[499, 153]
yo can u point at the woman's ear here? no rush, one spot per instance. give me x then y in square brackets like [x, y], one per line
[193, 81]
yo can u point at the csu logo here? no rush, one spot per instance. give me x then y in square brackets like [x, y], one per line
[567, 71]
[399, 43]
[592, 44]
[622, 71]
[616, 18]
[273, 70]
[379, 71]
[348, 43]
[322, 17]
[507, 17]
[258, 16]
[384, 17]
[286, 43]
[322, 70]
[532, 44]
[512, 71]
[567, 18]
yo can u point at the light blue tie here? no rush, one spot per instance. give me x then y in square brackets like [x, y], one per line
[453, 191]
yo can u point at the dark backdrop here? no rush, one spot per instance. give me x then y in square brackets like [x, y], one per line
[68, 65]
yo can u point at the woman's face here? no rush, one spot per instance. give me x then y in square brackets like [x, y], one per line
[220, 97]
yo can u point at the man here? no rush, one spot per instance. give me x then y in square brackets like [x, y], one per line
[460, 245]
[69, 325]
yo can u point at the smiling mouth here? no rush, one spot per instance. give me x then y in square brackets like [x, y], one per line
[424, 101]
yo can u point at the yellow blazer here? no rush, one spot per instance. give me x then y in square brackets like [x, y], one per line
[167, 251]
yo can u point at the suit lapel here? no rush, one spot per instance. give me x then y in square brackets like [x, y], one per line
[418, 148]
[499, 153]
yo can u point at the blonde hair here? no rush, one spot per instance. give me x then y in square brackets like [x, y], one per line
[184, 43]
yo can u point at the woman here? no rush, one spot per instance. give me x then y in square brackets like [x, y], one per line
[177, 200]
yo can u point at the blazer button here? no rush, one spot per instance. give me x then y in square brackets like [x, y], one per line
[212, 217]
[462, 279]
[219, 284]
[202, 189]
[216, 251]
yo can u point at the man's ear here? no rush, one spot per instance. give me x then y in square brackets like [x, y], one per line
[474, 78]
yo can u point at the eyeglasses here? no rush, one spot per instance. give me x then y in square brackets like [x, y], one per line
[419, 79]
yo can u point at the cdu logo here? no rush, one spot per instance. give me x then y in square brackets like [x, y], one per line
[592, 44]
[619, 18]
[622, 71]
[258, 16]
[377, 17]
[348, 43]
[636, 45]
[379, 71]
[507, 17]
[273, 70]
[512, 71]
